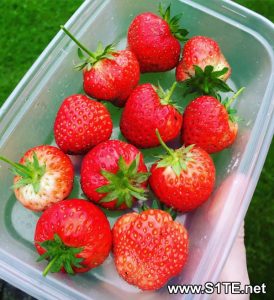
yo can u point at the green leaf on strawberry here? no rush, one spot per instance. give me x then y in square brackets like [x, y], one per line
[30, 172]
[125, 184]
[60, 256]
[176, 159]
[165, 96]
[179, 33]
[206, 82]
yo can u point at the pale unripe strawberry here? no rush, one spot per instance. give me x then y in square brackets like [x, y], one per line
[44, 176]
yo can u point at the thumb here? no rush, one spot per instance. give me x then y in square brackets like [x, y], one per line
[235, 269]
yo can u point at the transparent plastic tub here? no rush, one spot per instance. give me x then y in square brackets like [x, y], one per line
[26, 120]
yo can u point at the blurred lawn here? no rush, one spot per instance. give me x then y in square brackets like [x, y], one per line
[27, 26]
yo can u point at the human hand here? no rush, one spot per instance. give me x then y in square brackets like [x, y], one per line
[235, 269]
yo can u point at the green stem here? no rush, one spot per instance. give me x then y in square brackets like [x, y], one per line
[77, 42]
[48, 267]
[230, 101]
[171, 91]
[163, 143]
[16, 166]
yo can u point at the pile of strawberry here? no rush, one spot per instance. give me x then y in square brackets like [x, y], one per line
[149, 247]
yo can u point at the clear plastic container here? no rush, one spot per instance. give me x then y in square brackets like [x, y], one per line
[26, 120]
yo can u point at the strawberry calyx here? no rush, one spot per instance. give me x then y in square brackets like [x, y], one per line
[173, 22]
[165, 96]
[227, 102]
[93, 57]
[60, 256]
[158, 205]
[125, 184]
[206, 82]
[176, 159]
[30, 172]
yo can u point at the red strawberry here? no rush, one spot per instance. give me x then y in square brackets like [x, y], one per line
[149, 108]
[203, 66]
[113, 174]
[149, 248]
[154, 40]
[80, 124]
[184, 178]
[210, 124]
[108, 74]
[74, 235]
[43, 176]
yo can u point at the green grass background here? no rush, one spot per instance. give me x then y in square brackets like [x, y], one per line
[27, 26]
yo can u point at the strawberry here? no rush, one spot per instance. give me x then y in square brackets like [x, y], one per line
[210, 124]
[149, 248]
[113, 174]
[148, 108]
[74, 235]
[43, 176]
[184, 178]
[155, 40]
[80, 124]
[108, 74]
[203, 67]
